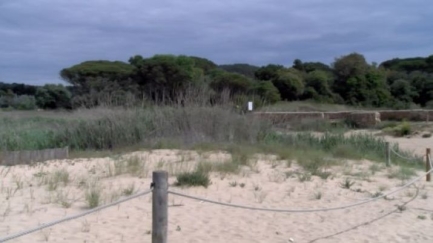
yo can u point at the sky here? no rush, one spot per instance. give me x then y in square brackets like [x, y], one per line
[38, 38]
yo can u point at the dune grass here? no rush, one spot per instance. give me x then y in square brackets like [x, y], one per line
[192, 127]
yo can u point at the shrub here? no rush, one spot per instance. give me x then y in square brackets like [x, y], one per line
[400, 130]
[195, 178]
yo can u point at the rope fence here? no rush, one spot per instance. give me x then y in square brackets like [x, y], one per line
[94, 210]
[404, 157]
[159, 188]
[305, 210]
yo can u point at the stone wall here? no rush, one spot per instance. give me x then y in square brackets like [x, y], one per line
[364, 119]
[360, 118]
[283, 117]
[410, 115]
[341, 115]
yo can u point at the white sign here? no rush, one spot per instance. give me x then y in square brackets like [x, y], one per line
[250, 105]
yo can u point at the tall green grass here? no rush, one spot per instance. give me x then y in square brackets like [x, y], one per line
[216, 127]
[110, 129]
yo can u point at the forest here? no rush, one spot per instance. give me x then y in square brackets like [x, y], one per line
[165, 79]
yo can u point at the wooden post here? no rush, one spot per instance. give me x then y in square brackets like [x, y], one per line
[160, 207]
[388, 154]
[427, 164]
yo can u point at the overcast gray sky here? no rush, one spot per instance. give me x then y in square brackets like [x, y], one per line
[40, 37]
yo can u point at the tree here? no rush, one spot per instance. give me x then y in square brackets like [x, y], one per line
[6, 98]
[297, 64]
[267, 91]
[241, 68]
[289, 84]
[235, 83]
[162, 77]
[349, 66]
[268, 72]
[310, 66]
[18, 89]
[204, 64]
[392, 76]
[318, 86]
[377, 90]
[422, 84]
[79, 75]
[409, 64]
[313, 66]
[402, 90]
[136, 60]
[52, 96]
[350, 72]
[359, 83]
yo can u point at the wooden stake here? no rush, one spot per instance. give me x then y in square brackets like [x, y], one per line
[160, 207]
[388, 154]
[427, 164]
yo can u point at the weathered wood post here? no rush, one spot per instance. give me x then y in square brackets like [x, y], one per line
[427, 164]
[388, 154]
[160, 207]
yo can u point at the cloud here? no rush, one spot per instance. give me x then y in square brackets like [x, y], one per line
[39, 38]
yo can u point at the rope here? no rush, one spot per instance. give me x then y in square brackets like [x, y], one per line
[401, 156]
[398, 209]
[26, 232]
[302, 210]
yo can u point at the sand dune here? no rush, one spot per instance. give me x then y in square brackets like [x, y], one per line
[29, 196]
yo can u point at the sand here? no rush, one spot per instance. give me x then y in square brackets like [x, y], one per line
[28, 199]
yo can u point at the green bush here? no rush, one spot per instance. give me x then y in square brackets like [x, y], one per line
[195, 178]
[400, 130]
[404, 129]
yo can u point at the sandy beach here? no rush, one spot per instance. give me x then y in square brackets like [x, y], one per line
[34, 195]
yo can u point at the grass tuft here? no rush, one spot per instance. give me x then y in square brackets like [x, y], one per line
[129, 190]
[93, 195]
[196, 178]
[403, 173]
[347, 183]
[318, 195]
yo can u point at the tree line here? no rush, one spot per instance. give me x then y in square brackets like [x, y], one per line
[350, 79]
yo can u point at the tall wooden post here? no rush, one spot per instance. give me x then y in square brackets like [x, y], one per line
[388, 154]
[427, 164]
[160, 207]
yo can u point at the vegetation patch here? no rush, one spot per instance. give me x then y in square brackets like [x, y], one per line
[399, 130]
[192, 179]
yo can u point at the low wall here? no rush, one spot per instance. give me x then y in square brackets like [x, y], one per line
[410, 115]
[361, 118]
[341, 115]
[282, 117]
[29, 157]
[364, 119]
